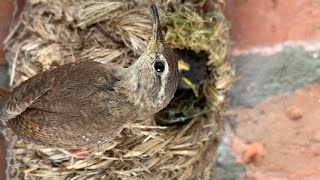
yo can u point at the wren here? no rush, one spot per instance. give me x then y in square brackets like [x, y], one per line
[83, 104]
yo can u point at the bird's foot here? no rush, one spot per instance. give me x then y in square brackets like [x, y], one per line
[78, 153]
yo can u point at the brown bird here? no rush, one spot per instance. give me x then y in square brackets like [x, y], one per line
[84, 104]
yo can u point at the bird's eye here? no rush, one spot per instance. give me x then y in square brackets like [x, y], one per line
[159, 67]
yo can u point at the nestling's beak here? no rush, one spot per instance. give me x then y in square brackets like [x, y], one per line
[157, 32]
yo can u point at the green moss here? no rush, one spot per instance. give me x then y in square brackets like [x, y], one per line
[186, 28]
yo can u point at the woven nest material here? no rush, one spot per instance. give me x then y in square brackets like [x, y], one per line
[51, 33]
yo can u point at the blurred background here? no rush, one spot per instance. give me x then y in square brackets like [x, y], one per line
[272, 125]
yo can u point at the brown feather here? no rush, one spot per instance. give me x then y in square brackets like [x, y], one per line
[72, 111]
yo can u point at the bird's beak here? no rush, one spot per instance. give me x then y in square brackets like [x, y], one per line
[157, 32]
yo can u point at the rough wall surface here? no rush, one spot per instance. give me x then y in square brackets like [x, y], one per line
[272, 126]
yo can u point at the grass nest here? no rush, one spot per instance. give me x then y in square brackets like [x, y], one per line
[51, 33]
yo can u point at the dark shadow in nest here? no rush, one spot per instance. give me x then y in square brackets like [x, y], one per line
[187, 103]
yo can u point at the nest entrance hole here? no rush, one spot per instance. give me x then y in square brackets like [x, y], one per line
[186, 103]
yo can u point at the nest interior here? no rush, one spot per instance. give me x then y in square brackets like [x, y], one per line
[51, 33]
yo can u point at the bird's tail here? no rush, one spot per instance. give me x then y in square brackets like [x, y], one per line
[3, 93]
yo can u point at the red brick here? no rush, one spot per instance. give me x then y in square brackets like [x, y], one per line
[263, 23]
[291, 147]
[6, 14]
[6, 9]
[3, 161]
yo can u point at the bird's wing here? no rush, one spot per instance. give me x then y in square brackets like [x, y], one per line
[18, 100]
[57, 90]
[66, 107]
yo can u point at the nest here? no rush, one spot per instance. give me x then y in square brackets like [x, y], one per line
[51, 33]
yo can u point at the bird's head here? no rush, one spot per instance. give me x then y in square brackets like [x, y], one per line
[157, 68]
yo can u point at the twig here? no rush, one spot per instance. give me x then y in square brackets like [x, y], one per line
[108, 34]
[12, 32]
[13, 67]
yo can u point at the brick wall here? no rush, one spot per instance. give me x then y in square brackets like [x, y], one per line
[7, 8]
[273, 116]
[257, 23]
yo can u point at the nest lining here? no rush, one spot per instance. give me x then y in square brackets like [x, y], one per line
[52, 33]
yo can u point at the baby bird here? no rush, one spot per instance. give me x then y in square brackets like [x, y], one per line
[84, 104]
